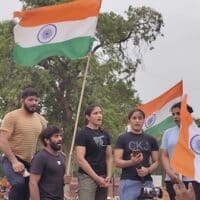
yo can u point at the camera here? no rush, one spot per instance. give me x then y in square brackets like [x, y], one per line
[150, 193]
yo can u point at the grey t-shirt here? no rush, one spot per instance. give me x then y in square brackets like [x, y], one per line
[52, 170]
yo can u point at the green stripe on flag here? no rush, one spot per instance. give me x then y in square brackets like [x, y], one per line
[161, 127]
[72, 49]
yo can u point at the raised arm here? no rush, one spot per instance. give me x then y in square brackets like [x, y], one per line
[182, 193]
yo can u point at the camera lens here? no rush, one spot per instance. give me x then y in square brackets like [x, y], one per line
[150, 193]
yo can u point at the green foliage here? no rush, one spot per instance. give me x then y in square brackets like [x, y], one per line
[7, 41]
[197, 122]
[39, 3]
[110, 80]
[124, 39]
[13, 78]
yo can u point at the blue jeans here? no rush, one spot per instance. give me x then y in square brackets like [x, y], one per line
[130, 189]
[20, 185]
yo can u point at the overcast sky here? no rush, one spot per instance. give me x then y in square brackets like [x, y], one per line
[176, 55]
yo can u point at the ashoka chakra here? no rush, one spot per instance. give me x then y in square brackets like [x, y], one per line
[47, 33]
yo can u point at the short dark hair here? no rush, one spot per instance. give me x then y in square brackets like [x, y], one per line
[178, 105]
[135, 110]
[48, 132]
[29, 92]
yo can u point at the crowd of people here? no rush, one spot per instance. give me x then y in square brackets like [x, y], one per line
[42, 175]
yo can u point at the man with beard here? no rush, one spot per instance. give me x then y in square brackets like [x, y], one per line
[18, 138]
[48, 168]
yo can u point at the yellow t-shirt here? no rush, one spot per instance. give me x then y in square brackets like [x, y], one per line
[23, 130]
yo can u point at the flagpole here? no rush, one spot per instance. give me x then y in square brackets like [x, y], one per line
[78, 114]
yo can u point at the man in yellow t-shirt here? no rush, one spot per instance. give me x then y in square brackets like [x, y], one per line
[18, 139]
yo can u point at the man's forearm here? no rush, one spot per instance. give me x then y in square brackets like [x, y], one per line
[34, 192]
[5, 147]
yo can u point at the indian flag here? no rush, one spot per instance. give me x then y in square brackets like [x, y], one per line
[186, 155]
[157, 111]
[66, 29]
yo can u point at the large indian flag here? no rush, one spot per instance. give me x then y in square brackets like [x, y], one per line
[186, 155]
[60, 30]
[157, 111]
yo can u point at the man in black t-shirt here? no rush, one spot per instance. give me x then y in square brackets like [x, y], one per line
[48, 168]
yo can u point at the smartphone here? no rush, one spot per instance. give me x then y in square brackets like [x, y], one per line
[136, 152]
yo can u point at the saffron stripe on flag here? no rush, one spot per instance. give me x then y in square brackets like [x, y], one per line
[157, 103]
[183, 157]
[163, 113]
[157, 111]
[70, 11]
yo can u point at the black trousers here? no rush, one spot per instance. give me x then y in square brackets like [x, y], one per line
[171, 192]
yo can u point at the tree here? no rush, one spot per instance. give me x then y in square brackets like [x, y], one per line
[13, 79]
[117, 53]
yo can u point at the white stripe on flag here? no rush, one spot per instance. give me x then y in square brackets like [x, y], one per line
[28, 36]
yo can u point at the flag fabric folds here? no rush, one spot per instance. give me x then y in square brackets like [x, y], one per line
[157, 111]
[186, 155]
[66, 29]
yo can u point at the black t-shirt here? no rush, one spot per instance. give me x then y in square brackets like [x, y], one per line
[95, 143]
[52, 170]
[129, 142]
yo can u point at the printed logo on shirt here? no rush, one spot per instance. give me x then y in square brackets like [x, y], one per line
[142, 145]
[59, 162]
[99, 141]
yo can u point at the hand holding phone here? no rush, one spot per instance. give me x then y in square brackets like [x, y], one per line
[136, 152]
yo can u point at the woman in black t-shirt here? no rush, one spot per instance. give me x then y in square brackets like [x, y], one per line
[94, 157]
[133, 151]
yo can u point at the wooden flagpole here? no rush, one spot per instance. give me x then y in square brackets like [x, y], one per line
[69, 160]
[78, 114]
